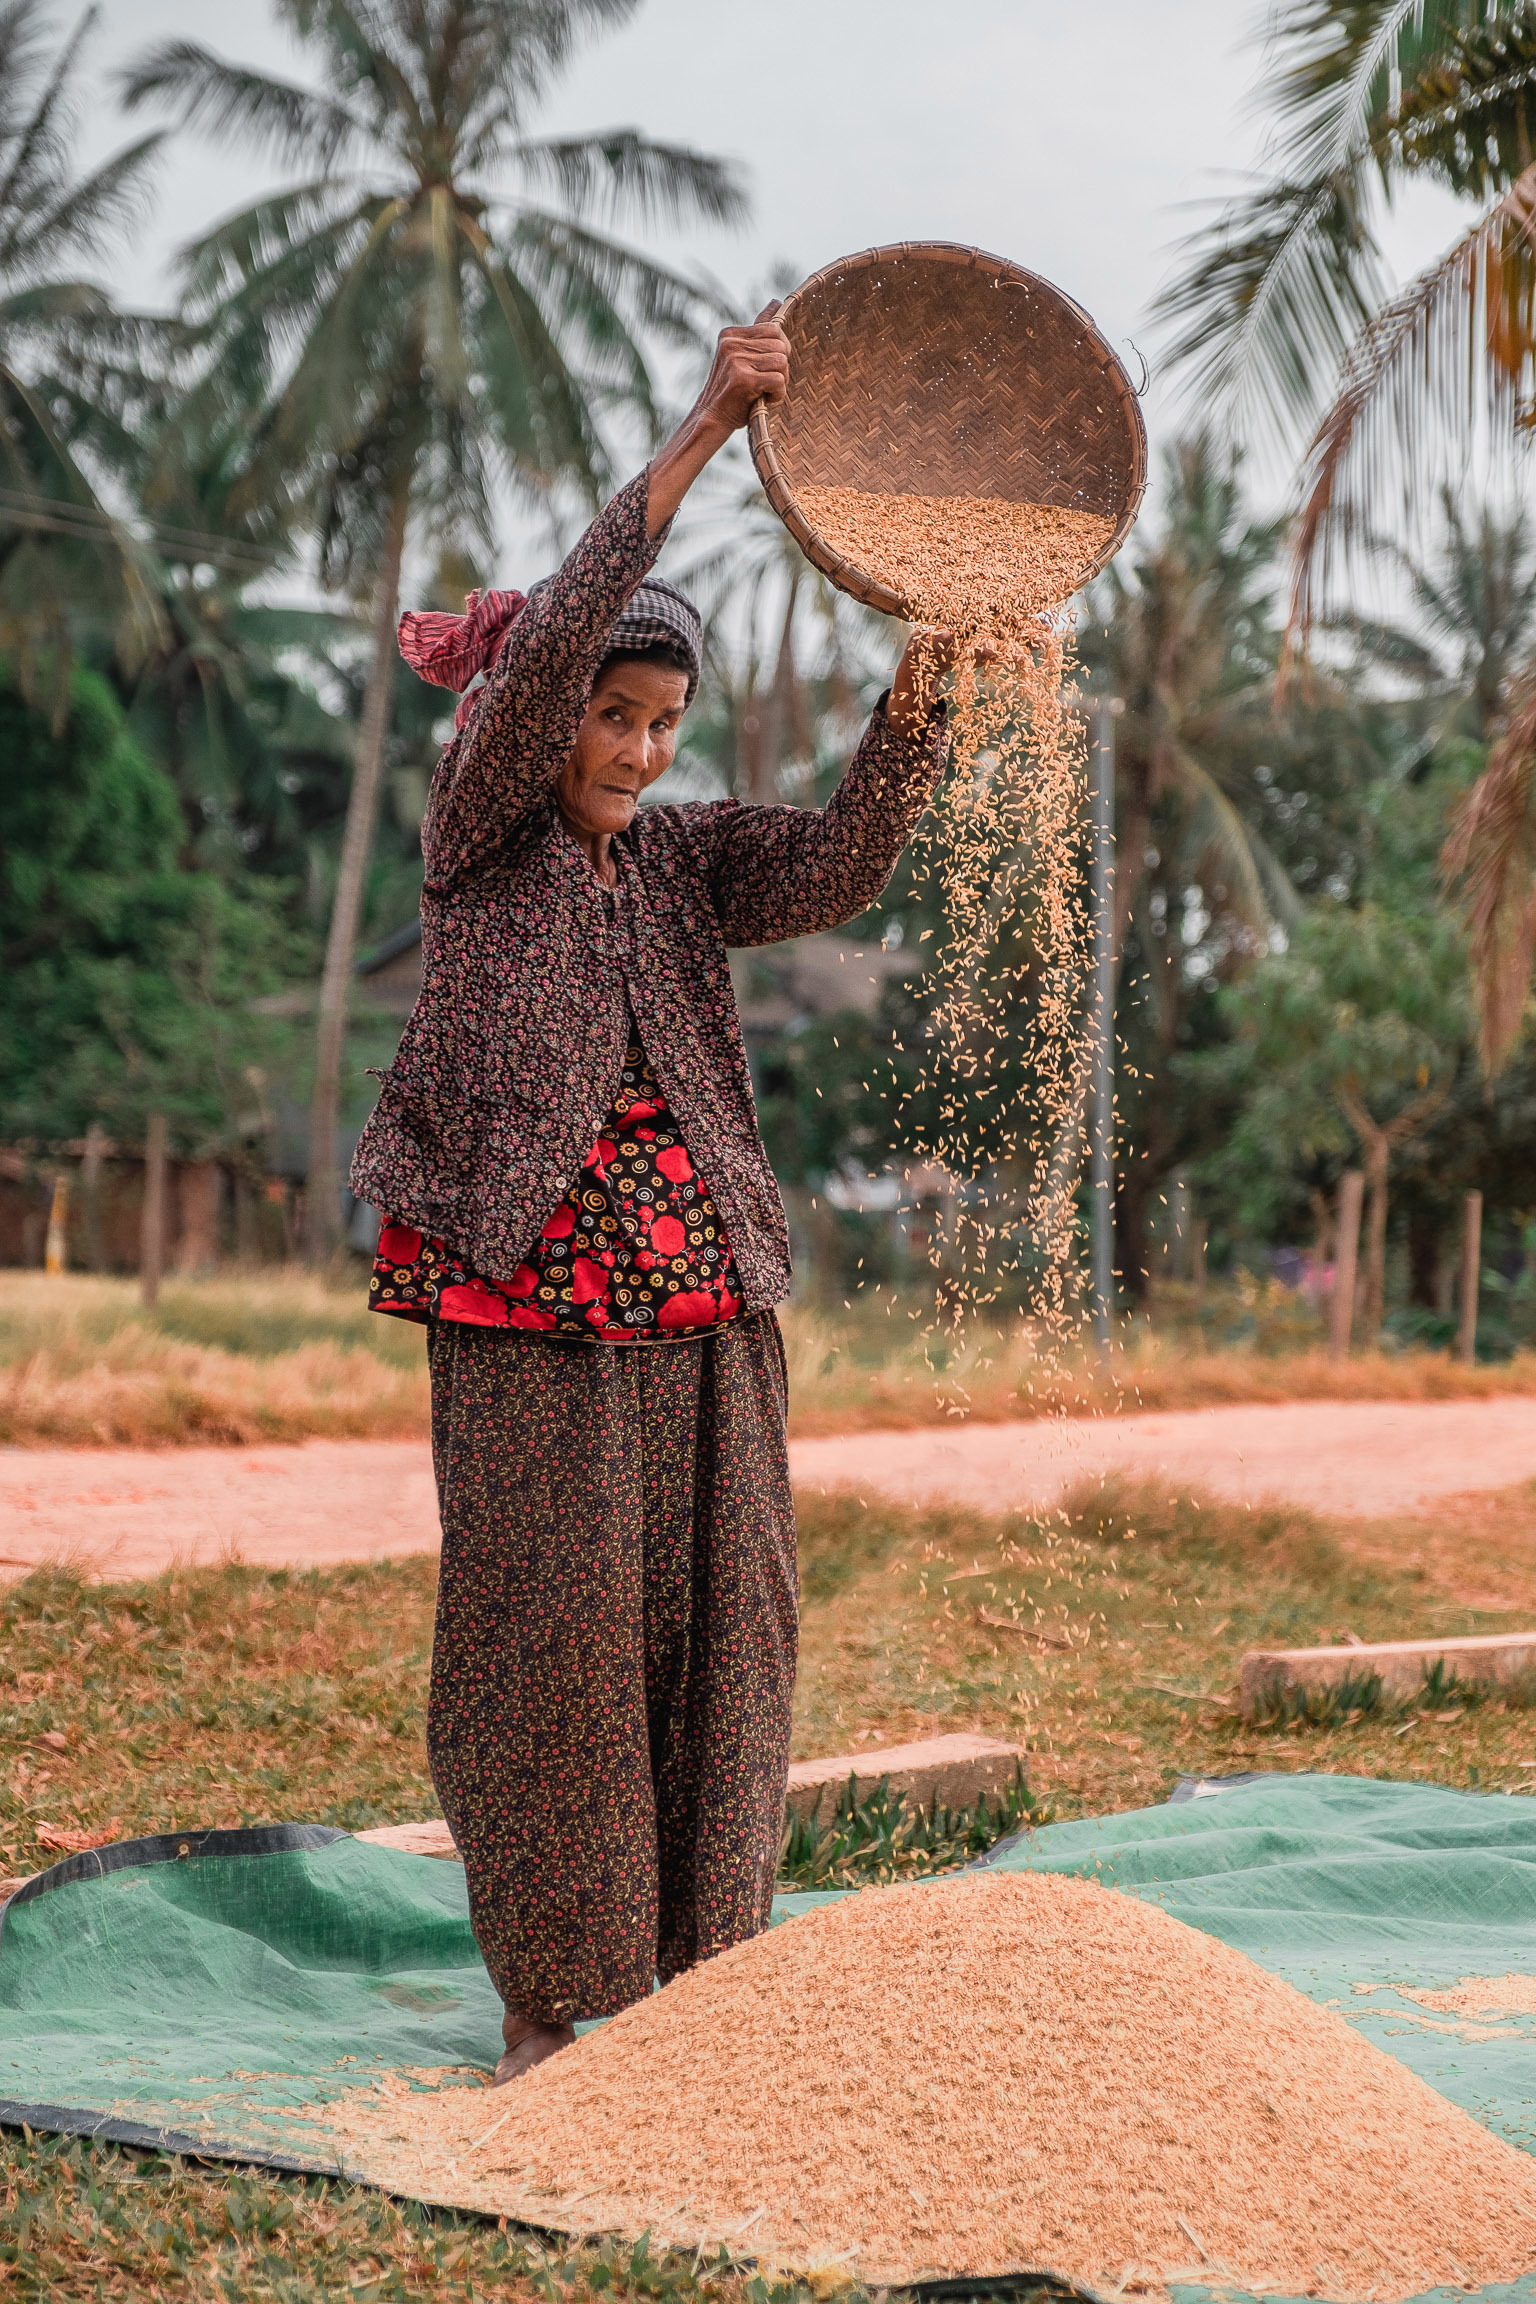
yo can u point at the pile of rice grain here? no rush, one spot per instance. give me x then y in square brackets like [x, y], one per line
[990, 2072]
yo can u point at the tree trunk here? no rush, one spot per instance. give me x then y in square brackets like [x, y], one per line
[1471, 1274]
[1377, 1144]
[322, 1197]
[1341, 1315]
[90, 1186]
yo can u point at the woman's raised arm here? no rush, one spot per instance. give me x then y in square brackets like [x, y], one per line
[525, 722]
[750, 364]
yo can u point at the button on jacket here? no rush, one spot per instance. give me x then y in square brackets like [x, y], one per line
[531, 967]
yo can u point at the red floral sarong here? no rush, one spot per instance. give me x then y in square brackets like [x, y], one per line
[634, 1254]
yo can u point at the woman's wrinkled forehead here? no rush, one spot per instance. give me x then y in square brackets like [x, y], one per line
[653, 686]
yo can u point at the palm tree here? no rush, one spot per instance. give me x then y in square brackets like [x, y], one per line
[52, 525]
[437, 332]
[1284, 312]
[1472, 604]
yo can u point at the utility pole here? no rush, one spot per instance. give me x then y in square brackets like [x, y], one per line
[1101, 1147]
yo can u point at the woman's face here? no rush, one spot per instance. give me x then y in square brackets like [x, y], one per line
[625, 741]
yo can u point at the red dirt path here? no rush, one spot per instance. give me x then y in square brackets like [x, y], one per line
[119, 1513]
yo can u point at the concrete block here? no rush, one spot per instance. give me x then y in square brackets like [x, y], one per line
[1488, 1660]
[429, 1838]
[954, 1769]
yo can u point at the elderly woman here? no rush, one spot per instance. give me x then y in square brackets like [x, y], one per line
[580, 1206]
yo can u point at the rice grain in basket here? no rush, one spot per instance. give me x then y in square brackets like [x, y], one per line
[974, 563]
[982, 2073]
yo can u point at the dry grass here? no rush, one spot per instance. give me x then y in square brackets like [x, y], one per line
[266, 1356]
[244, 1358]
[1147, 1606]
[87, 2223]
[841, 1381]
[232, 1695]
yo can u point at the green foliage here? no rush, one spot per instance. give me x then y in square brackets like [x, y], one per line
[1368, 1002]
[60, 551]
[1365, 95]
[129, 979]
[447, 331]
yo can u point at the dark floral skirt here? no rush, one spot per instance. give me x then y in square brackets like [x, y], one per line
[614, 1660]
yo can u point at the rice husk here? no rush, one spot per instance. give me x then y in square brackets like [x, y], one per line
[982, 2074]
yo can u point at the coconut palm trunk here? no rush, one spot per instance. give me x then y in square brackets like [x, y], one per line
[322, 1197]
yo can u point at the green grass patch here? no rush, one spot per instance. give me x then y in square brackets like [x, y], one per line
[85, 2220]
[884, 1837]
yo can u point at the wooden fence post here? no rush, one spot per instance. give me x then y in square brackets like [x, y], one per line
[56, 1250]
[90, 1193]
[1346, 1258]
[1471, 1273]
[152, 1216]
[200, 1182]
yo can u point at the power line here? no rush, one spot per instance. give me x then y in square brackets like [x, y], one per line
[55, 515]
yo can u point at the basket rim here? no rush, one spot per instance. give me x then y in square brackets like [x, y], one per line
[818, 549]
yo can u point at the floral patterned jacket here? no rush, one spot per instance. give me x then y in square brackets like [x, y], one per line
[530, 966]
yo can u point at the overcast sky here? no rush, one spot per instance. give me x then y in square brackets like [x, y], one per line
[1069, 138]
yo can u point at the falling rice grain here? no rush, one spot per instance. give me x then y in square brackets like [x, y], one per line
[999, 1117]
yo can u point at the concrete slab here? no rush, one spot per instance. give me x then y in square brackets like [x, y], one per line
[429, 1838]
[1487, 1660]
[954, 1769]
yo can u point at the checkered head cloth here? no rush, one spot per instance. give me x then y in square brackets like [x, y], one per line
[658, 611]
[452, 651]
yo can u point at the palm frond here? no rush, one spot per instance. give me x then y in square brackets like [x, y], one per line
[540, 410]
[1459, 342]
[1269, 298]
[1467, 117]
[1337, 69]
[233, 101]
[554, 248]
[1490, 857]
[255, 256]
[87, 211]
[40, 143]
[622, 172]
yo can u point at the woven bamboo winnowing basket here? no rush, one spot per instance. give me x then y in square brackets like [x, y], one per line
[929, 369]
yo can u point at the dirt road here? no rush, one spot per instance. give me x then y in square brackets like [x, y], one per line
[129, 1512]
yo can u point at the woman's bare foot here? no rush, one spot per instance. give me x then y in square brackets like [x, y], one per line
[527, 2044]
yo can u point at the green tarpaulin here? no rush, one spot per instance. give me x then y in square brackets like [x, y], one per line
[196, 1990]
